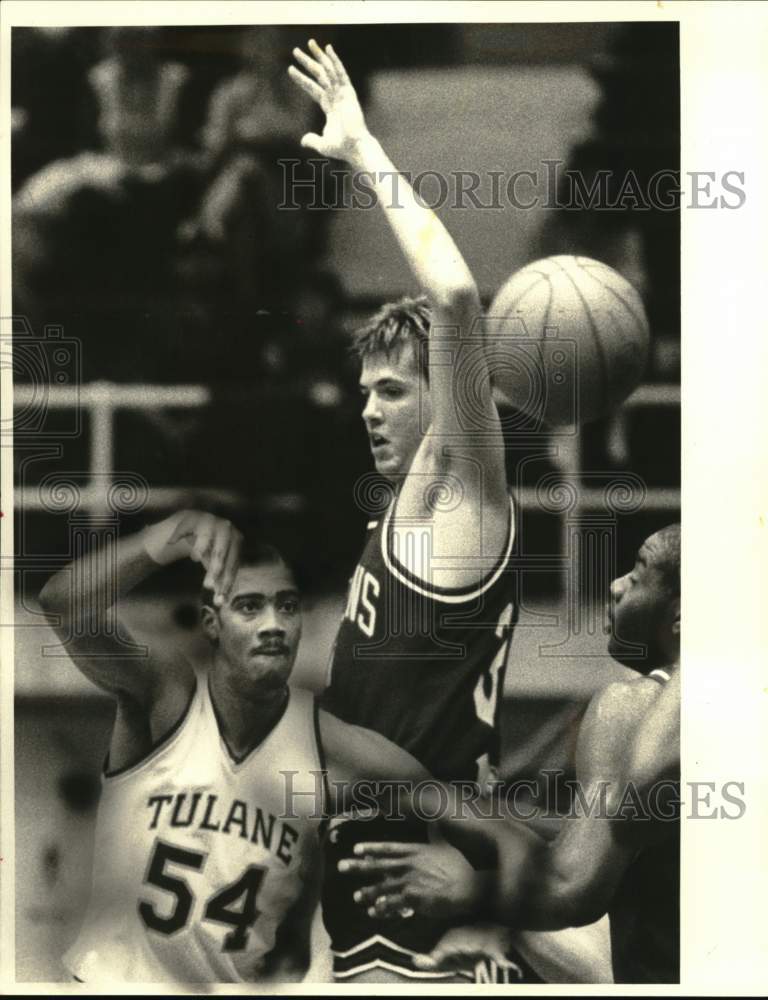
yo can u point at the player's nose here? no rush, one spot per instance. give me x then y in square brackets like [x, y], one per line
[270, 625]
[372, 411]
[617, 588]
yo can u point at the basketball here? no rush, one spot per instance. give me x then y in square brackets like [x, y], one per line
[567, 340]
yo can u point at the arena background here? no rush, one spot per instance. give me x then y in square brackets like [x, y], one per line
[181, 341]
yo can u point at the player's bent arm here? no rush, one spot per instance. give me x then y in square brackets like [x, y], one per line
[652, 769]
[81, 598]
[362, 763]
[573, 878]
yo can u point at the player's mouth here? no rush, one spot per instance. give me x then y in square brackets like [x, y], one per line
[378, 441]
[272, 650]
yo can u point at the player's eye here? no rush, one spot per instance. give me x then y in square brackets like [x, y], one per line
[249, 607]
[289, 606]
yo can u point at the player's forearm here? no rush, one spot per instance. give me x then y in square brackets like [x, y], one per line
[427, 246]
[89, 586]
[538, 884]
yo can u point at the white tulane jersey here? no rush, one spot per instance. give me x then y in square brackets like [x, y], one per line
[198, 856]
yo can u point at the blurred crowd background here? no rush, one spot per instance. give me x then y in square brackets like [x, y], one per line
[150, 252]
[147, 182]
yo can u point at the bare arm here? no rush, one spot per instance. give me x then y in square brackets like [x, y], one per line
[655, 751]
[81, 599]
[465, 439]
[573, 878]
[361, 763]
[541, 885]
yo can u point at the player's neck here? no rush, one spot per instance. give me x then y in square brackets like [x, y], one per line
[245, 718]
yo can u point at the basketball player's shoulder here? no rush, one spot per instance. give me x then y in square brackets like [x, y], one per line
[622, 701]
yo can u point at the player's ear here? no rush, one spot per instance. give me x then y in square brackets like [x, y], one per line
[210, 622]
[676, 617]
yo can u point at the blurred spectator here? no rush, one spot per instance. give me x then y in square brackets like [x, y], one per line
[138, 96]
[258, 104]
[249, 253]
[635, 137]
[54, 108]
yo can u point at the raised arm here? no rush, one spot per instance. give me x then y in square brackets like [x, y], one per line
[82, 600]
[427, 246]
[465, 436]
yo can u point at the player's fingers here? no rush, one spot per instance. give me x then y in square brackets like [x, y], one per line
[313, 141]
[307, 85]
[387, 906]
[220, 539]
[368, 894]
[498, 956]
[201, 549]
[433, 961]
[338, 65]
[322, 58]
[358, 865]
[312, 67]
[384, 849]
[446, 956]
[183, 527]
[231, 564]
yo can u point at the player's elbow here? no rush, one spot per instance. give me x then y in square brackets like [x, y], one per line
[54, 598]
[576, 902]
[557, 902]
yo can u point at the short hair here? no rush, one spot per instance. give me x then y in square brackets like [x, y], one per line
[394, 325]
[255, 553]
[667, 562]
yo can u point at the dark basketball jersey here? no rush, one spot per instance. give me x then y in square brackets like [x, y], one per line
[423, 666]
[645, 916]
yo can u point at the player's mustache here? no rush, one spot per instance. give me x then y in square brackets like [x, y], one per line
[270, 647]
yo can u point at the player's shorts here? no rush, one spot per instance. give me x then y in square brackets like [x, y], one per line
[361, 944]
[379, 955]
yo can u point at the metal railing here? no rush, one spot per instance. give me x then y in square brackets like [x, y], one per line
[102, 400]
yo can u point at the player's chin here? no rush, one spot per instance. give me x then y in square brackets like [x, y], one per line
[624, 651]
[271, 670]
[386, 465]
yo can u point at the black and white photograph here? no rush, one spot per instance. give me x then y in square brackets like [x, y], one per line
[345, 579]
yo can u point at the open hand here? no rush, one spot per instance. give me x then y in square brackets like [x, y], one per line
[328, 85]
[432, 880]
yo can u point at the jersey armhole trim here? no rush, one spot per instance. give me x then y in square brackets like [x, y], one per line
[659, 675]
[156, 748]
[449, 595]
[322, 761]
